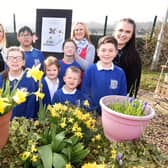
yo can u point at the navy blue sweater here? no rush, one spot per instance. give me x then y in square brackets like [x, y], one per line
[99, 83]
[26, 109]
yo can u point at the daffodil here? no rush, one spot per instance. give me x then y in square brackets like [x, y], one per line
[3, 104]
[34, 158]
[68, 166]
[35, 73]
[113, 154]
[25, 155]
[39, 94]
[86, 103]
[20, 96]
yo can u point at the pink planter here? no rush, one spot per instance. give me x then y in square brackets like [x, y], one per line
[122, 127]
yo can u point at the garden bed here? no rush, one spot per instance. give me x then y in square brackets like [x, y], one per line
[150, 151]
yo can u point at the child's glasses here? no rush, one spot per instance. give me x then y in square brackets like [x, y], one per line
[11, 58]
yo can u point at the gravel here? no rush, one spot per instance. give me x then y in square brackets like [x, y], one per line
[157, 131]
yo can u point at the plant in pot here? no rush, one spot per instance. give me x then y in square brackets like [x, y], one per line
[10, 99]
[124, 118]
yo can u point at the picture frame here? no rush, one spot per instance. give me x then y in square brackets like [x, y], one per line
[53, 27]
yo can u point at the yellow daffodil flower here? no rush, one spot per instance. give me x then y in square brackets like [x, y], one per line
[35, 73]
[68, 166]
[86, 103]
[3, 105]
[39, 94]
[20, 96]
[34, 158]
[113, 154]
[25, 155]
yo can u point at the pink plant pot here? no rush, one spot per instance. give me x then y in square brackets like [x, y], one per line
[121, 127]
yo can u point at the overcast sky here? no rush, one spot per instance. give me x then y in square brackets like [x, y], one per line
[84, 10]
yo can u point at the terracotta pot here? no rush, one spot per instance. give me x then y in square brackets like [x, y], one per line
[4, 128]
[122, 127]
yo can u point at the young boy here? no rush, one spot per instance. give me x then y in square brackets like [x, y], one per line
[15, 61]
[50, 81]
[33, 56]
[69, 91]
[104, 78]
[69, 49]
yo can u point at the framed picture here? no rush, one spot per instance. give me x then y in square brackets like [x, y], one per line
[53, 26]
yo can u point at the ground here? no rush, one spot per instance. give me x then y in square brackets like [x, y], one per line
[157, 131]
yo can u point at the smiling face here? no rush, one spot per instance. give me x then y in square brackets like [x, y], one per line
[79, 31]
[72, 79]
[52, 71]
[15, 61]
[107, 52]
[25, 38]
[123, 33]
[69, 49]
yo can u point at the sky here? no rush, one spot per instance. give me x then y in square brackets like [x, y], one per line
[83, 10]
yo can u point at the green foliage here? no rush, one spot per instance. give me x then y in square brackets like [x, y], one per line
[132, 107]
[132, 154]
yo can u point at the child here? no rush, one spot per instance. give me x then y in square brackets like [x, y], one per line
[15, 61]
[69, 49]
[69, 91]
[50, 81]
[33, 56]
[104, 78]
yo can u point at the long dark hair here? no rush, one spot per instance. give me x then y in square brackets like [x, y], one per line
[130, 53]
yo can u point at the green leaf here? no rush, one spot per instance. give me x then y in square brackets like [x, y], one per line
[42, 111]
[67, 152]
[58, 143]
[46, 155]
[58, 161]
[78, 157]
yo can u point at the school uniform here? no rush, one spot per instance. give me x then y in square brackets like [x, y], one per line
[34, 57]
[26, 109]
[61, 96]
[63, 67]
[99, 82]
[49, 89]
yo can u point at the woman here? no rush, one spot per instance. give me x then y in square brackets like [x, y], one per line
[128, 57]
[85, 49]
[2, 47]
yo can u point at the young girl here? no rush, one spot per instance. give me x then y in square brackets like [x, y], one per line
[69, 91]
[15, 61]
[69, 49]
[128, 57]
[104, 78]
[50, 81]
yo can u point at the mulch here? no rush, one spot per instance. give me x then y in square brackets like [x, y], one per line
[157, 131]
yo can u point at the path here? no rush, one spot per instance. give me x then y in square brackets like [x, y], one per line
[157, 131]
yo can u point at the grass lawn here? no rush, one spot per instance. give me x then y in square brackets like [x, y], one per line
[149, 79]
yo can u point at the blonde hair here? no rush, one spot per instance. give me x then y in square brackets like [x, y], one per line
[51, 60]
[15, 48]
[87, 34]
[73, 69]
[3, 42]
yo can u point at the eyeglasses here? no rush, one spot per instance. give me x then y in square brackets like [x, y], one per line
[18, 58]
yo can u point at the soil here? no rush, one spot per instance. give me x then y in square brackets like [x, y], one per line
[157, 131]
